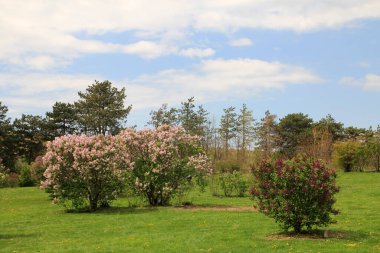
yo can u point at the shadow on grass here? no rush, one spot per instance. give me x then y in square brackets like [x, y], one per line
[319, 235]
[216, 207]
[115, 210]
[14, 236]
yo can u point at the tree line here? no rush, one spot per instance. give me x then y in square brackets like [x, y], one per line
[236, 139]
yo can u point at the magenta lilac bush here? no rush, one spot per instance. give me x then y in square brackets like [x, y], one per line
[297, 193]
[85, 170]
[165, 160]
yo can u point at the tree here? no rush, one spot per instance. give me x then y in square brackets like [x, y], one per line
[187, 116]
[7, 139]
[245, 129]
[30, 132]
[101, 108]
[353, 133]
[266, 134]
[164, 116]
[62, 119]
[228, 127]
[193, 121]
[329, 124]
[294, 129]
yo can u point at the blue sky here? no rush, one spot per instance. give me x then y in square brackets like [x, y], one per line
[283, 56]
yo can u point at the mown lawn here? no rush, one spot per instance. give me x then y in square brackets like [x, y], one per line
[29, 222]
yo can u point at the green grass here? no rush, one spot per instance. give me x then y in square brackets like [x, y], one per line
[29, 222]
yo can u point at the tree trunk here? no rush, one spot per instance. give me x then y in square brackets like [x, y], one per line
[93, 202]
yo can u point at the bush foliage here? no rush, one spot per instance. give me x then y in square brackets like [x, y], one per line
[297, 193]
[164, 162]
[93, 170]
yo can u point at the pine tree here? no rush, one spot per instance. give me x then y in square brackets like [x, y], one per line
[101, 109]
[228, 127]
[164, 116]
[245, 129]
[266, 134]
[62, 119]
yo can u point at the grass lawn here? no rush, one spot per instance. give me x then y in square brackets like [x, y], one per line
[29, 222]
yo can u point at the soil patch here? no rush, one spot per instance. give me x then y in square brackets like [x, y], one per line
[313, 235]
[217, 208]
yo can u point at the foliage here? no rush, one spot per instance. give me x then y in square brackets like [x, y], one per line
[164, 116]
[335, 128]
[165, 161]
[294, 129]
[228, 127]
[227, 165]
[30, 134]
[233, 184]
[266, 134]
[244, 130]
[7, 139]
[297, 193]
[346, 155]
[63, 119]
[3, 175]
[372, 152]
[101, 108]
[25, 178]
[37, 169]
[85, 169]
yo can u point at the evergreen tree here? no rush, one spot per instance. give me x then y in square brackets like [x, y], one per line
[101, 109]
[294, 129]
[245, 129]
[7, 139]
[228, 127]
[30, 132]
[266, 134]
[163, 116]
[62, 120]
[193, 121]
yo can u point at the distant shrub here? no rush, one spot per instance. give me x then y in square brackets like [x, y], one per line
[25, 178]
[37, 168]
[347, 156]
[12, 179]
[297, 193]
[227, 166]
[229, 184]
[3, 179]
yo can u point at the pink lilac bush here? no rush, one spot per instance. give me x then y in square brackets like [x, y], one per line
[165, 161]
[297, 193]
[85, 170]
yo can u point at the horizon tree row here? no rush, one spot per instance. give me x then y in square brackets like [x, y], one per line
[101, 109]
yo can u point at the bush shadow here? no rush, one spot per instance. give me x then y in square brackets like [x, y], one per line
[320, 234]
[113, 210]
[15, 236]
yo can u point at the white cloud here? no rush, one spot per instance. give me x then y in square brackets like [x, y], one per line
[211, 80]
[197, 52]
[370, 82]
[43, 34]
[241, 42]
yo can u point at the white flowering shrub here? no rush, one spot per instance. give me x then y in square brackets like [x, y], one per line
[165, 160]
[85, 170]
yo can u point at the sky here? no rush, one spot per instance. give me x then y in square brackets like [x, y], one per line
[286, 56]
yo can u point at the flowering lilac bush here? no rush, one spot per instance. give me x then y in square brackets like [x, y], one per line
[85, 170]
[164, 161]
[297, 193]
